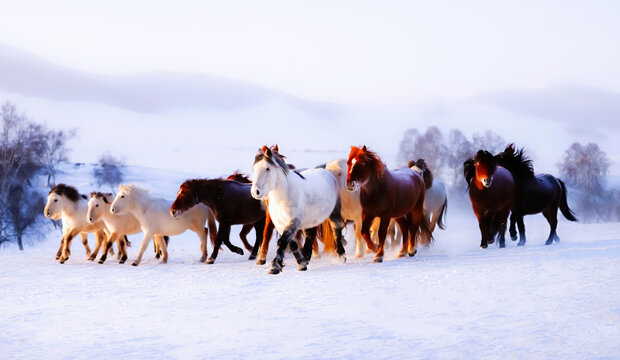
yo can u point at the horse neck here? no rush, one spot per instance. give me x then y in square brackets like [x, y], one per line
[140, 204]
[210, 192]
[286, 188]
[375, 181]
[73, 209]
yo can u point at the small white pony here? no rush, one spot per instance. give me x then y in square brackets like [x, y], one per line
[156, 221]
[66, 203]
[118, 225]
[296, 201]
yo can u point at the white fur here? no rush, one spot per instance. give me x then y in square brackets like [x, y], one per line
[155, 219]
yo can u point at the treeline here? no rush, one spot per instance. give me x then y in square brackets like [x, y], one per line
[584, 168]
[30, 154]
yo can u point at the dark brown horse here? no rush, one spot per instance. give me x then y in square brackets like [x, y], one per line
[245, 230]
[491, 191]
[388, 194]
[232, 204]
[534, 194]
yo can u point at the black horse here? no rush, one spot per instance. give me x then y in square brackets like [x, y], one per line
[534, 194]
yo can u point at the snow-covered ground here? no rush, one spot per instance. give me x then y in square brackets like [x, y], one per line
[452, 300]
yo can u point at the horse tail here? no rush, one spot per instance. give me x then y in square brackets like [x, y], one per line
[127, 242]
[566, 211]
[441, 218]
[327, 235]
[425, 235]
[211, 227]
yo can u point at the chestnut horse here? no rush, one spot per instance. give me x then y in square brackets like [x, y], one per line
[535, 194]
[491, 191]
[232, 204]
[387, 194]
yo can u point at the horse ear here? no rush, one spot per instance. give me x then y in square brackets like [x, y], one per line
[92, 193]
[275, 148]
[364, 148]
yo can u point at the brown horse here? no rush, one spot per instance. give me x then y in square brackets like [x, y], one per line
[232, 204]
[388, 194]
[535, 194]
[245, 230]
[491, 191]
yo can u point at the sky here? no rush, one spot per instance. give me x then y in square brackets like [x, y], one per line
[347, 65]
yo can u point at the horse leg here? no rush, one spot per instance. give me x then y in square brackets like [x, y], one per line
[366, 223]
[145, 242]
[309, 243]
[406, 239]
[222, 233]
[259, 228]
[99, 242]
[163, 248]
[521, 226]
[122, 244]
[108, 244]
[552, 217]
[267, 234]
[62, 243]
[66, 250]
[502, 222]
[84, 237]
[302, 261]
[359, 247]
[231, 247]
[383, 226]
[290, 231]
[202, 233]
[404, 228]
[212, 227]
[337, 224]
[484, 224]
[315, 246]
[245, 230]
[513, 230]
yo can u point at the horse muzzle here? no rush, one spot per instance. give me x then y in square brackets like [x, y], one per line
[175, 213]
[257, 194]
[352, 186]
[487, 182]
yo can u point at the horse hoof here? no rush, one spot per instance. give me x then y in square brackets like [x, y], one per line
[273, 271]
[343, 259]
[412, 254]
[101, 261]
[402, 254]
[502, 245]
[122, 261]
[548, 242]
[210, 261]
[302, 267]
[521, 243]
[484, 246]
[513, 237]
[134, 264]
[252, 257]
[62, 261]
[203, 259]
[239, 251]
[378, 259]
[261, 262]
[91, 258]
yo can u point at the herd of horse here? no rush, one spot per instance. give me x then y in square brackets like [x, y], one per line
[306, 206]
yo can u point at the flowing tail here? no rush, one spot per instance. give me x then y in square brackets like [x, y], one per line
[327, 235]
[566, 211]
[441, 218]
[127, 242]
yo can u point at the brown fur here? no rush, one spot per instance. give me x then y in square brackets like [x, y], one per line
[68, 191]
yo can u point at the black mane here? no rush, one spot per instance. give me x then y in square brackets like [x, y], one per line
[427, 174]
[516, 162]
[469, 170]
[272, 157]
[69, 191]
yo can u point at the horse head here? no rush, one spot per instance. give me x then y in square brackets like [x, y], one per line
[421, 168]
[59, 198]
[485, 165]
[123, 200]
[267, 164]
[97, 205]
[361, 165]
[187, 197]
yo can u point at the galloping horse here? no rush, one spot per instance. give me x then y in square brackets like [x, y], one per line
[535, 194]
[387, 194]
[491, 191]
[232, 204]
[296, 201]
[155, 220]
[66, 203]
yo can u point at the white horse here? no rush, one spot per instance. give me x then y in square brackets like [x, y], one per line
[118, 225]
[296, 201]
[66, 203]
[155, 219]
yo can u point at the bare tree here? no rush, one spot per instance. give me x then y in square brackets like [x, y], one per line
[25, 212]
[56, 152]
[490, 141]
[429, 146]
[585, 167]
[458, 149]
[109, 171]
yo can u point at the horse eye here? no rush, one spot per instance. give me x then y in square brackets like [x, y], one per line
[55, 200]
[268, 169]
[97, 205]
[122, 196]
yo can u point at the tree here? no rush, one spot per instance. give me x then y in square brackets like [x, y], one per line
[458, 149]
[428, 146]
[489, 141]
[56, 152]
[109, 171]
[585, 167]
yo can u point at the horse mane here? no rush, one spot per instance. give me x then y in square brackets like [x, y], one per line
[68, 191]
[427, 174]
[515, 161]
[100, 195]
[237, 176]
[273, 157]
[133, 189]
[469, 170]
[370, 159]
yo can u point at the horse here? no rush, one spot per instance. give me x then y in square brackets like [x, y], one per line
[491, 192]
[543, 193]
[436, 198]
[296, 201]
[232, 204]
[245, 230]
[387, 194]
[66, 203]
[155, 220]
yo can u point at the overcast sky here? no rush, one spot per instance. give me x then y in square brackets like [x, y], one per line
[507, 66]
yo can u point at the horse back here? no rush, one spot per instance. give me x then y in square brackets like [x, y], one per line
[397, 194]
[236, 204]
[537, 194]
